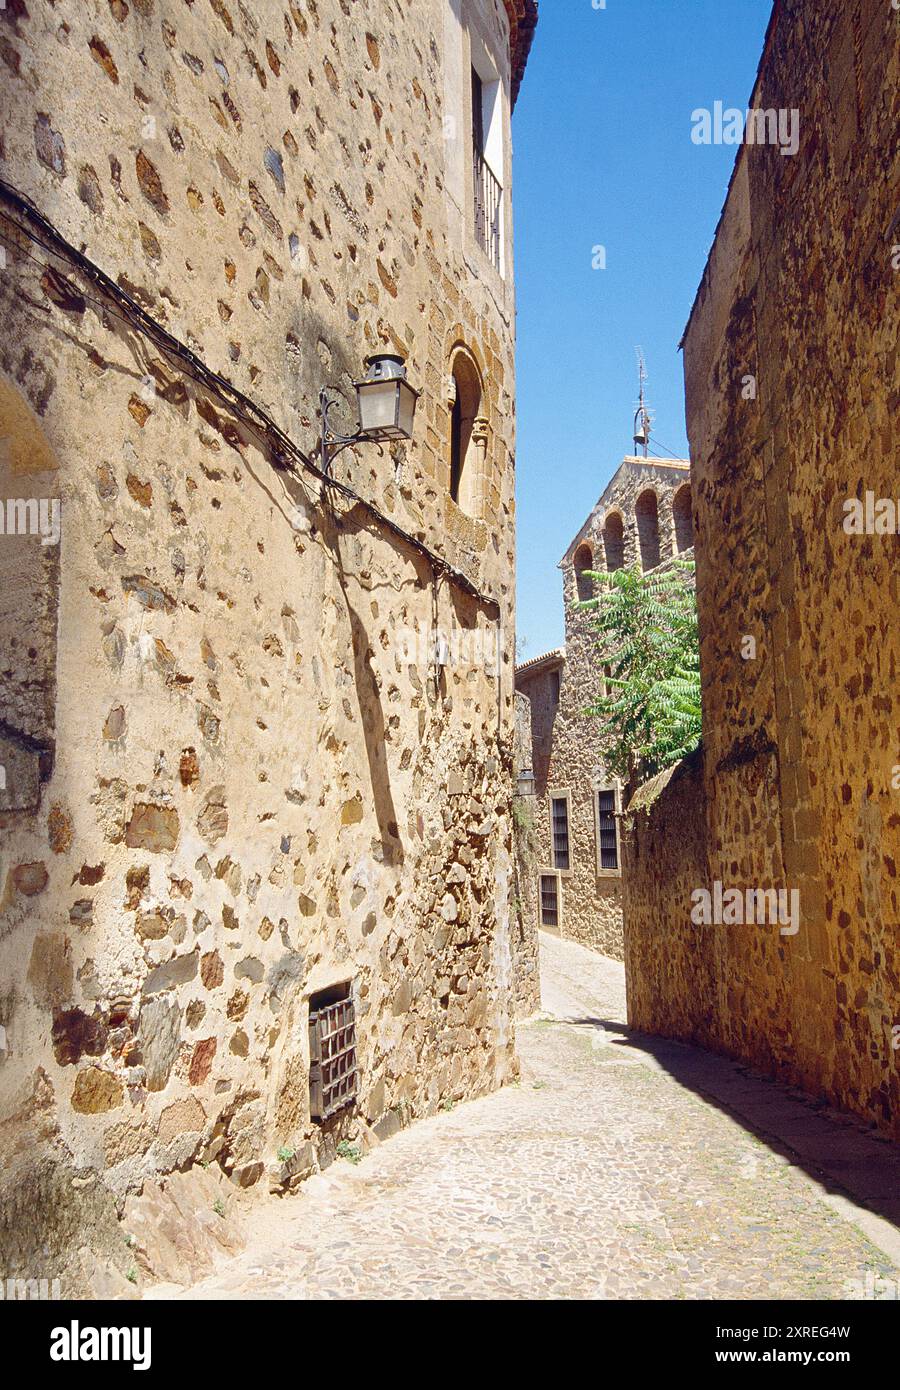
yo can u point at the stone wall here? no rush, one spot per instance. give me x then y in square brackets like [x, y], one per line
[792, 398]
[232, 780]
[670, 964]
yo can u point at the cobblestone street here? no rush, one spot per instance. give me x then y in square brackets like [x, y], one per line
[604, 1174]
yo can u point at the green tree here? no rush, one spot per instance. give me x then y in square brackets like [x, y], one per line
[648, 643]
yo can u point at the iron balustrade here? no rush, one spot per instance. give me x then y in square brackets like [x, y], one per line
[488, 205]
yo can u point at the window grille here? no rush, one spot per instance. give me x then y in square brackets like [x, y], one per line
[560, 817]
[332, 1052]
[549, 901]
[606, 828]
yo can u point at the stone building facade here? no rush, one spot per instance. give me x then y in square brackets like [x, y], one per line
[242, 779]
[791, 372]
[574, 877]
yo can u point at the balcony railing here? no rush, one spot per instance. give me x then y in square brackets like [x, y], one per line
[488, 205]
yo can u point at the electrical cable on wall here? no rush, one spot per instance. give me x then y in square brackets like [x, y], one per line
[284, 453]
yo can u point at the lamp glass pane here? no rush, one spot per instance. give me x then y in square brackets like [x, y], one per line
[407, 409]
[377, 405]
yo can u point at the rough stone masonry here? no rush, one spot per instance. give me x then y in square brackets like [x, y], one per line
[226, 788]
[791, 374]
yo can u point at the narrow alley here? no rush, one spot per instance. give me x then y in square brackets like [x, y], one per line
[616, 1168]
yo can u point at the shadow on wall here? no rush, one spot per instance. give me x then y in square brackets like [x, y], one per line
[30, 531]
[365, 684]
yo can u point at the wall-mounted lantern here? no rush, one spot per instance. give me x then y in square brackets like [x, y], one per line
[525, 782]
[385, 404]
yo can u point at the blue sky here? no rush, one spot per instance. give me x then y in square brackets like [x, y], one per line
[604, 157]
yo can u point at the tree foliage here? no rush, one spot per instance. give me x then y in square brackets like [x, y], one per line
[648, 642]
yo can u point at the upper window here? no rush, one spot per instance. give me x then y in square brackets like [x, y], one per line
[477, 113]
[559, 814]
[607, 830]
[646, 513]
[682, 520]
[487, 151]
[584, 561]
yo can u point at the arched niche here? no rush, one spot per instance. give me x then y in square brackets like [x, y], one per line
[646, 513]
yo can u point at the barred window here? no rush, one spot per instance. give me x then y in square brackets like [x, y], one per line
[560, 818]
[332, 1051]
[549, 900]
[607, 830]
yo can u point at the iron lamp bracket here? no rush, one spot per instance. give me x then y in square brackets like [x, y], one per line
[333, 441]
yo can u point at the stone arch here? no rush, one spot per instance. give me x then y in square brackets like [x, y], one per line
[682, 519]
[584, 560]
[468, 434]
[614, 541]
[646, 515]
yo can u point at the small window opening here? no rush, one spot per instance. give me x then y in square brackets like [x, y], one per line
[560, 817]
[549, 901]
[606, 823]
[332, 1051]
